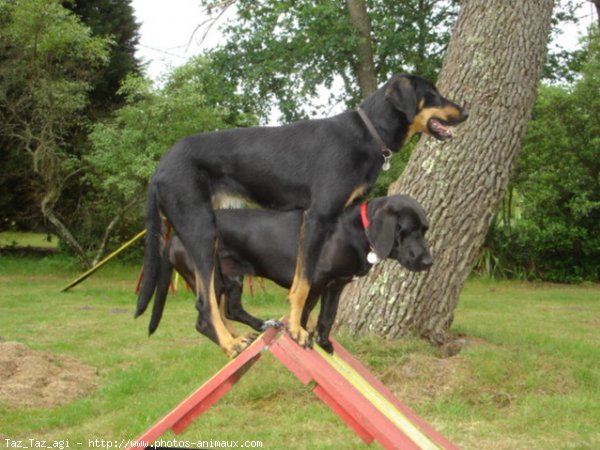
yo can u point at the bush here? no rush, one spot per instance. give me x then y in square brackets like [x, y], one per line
[552, 231]
[556, 254]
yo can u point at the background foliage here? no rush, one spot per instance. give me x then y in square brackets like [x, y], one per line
[57, 75]
[75, 103]
[292, 52]
[48, 62]
[127, 147]
[551, 228]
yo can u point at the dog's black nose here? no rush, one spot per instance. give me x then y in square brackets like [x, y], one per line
[464, 115]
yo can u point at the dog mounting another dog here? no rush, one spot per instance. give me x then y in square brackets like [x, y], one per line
[317, 166]
[266, 246]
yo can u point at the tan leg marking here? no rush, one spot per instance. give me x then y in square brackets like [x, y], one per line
[311, 323]
[230, 345]
[358, 192]
[229, 342]
[228, 323]
[297, 297]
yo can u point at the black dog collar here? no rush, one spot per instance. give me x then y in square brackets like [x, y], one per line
[385, 151]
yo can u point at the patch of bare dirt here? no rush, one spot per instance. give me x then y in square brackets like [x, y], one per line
[34, 379]
[420, 378]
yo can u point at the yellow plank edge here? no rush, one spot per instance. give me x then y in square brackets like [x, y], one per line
[379, 401]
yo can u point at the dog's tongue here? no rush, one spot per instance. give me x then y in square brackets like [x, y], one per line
[441, 129]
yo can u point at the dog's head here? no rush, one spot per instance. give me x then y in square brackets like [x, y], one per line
[426, 110]
[396, 230]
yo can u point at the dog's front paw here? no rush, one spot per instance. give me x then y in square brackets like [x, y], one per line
[239, 344]
[326, 345]
[301, 336]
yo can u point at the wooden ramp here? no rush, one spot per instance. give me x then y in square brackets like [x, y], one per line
[339, 380]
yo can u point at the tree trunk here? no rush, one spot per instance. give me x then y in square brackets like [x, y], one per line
[367, 80]
[421, 34]
[597, 5]
[492, 67]
[47, 207]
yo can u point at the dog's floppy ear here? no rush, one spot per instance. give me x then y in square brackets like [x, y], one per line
[401, 94]
[382, 232]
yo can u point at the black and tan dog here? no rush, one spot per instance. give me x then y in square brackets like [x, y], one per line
[263, 243]
[318, 166]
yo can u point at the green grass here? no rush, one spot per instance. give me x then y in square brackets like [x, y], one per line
[18, 239]
[529, 377]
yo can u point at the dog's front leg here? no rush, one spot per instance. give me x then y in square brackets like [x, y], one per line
[329, 306]
[315, 227]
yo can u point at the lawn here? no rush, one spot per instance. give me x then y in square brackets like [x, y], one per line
[34, 240]
[528, 376]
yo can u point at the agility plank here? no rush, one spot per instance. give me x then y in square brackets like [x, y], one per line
[358, 401]
[207, 394]
[339, 380]
[433, 434]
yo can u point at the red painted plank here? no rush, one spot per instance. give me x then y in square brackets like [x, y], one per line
[320, 392]
[290, 361]
[211, 398]
[349, 398]
[333, 388]
[212, 389]
[431, 432]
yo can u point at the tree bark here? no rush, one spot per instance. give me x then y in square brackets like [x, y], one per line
[47, 207]
[365, 71]
[422, 32]
[492, 67]
[597, 5]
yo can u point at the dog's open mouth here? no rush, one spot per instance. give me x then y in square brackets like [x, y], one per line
[439, 129]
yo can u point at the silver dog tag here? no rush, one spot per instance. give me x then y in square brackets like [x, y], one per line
[372, 258]
[387, 155]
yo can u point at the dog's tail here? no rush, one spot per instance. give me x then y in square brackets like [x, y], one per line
[165, 274]
[151, 252]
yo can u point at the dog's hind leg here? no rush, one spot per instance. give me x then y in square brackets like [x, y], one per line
[211, 321]
[235, 310]
[187, 204]
[223, 302]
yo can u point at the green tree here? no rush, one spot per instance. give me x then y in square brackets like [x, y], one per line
[562, 65]
[48, 61]
[285, 51]
[127, 147]
[557, 185]
[113, 19]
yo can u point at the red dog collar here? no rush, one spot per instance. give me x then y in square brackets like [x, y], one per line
[372, 257]
[364, 215]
